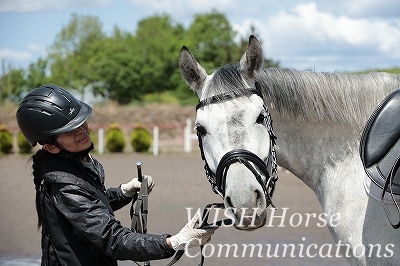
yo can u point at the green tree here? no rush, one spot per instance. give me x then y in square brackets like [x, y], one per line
[72, 50]
[211, 38]
[12, 84]
[114, 62]
[157, 38]
[135, 65]
[37, 74]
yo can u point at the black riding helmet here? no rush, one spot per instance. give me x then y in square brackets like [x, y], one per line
[49, 110]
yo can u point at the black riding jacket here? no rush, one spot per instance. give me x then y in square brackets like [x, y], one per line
[79, 226]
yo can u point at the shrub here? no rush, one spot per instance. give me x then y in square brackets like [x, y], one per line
[5, 140]
[140, 139]
[23, 144]
[115, 140]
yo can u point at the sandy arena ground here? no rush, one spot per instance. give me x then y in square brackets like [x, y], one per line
[180, 184]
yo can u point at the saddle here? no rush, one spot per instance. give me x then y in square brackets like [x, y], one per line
[380, 149]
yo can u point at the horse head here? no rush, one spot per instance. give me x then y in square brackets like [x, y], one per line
[231, 122]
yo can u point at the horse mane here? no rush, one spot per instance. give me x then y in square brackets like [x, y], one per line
[331, 97]
[335, 97]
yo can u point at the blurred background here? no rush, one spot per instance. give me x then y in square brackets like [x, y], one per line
[121, 57]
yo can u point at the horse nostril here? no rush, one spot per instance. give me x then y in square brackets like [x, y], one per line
[259, 198]
[258, 194]
[229, 202]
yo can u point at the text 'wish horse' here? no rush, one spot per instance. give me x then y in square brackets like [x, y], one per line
[318, 119]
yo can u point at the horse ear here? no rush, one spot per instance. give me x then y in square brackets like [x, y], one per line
[252, 59]
[192, 72]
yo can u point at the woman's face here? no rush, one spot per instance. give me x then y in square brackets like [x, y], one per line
[76, 140]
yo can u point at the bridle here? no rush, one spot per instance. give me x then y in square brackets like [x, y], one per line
[254, 163]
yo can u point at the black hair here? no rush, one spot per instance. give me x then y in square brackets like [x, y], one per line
[37, 160]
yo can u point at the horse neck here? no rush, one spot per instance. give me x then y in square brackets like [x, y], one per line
[308, 148]
[318, 117]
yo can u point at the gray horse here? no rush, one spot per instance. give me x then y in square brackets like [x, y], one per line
[318, 119]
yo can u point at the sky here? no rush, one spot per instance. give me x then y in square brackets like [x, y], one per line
[322, 35]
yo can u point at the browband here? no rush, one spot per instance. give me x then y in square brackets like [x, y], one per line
[226, 96]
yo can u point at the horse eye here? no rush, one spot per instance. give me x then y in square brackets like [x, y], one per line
[201, 131]
[260, 118]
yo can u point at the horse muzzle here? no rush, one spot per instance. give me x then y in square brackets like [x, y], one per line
[250, 212]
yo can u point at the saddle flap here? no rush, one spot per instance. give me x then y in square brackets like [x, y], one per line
[380, 142]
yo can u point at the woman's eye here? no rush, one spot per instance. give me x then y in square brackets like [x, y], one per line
[201, 131]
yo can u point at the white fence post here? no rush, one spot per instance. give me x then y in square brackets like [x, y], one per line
[155, 140]
[101, 140]
[188, 135]
[188, 139]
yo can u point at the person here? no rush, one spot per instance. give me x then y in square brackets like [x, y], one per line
[75, 210]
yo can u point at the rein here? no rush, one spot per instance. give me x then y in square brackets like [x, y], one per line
[140, 209]
[204, 225]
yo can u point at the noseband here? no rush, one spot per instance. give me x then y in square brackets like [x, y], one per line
[254, 163]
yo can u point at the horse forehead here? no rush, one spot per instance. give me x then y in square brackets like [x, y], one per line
[236, 119]
[228, 113]
[234, 112]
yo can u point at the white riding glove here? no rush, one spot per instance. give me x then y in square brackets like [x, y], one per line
[132, 187]
[190, 237]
